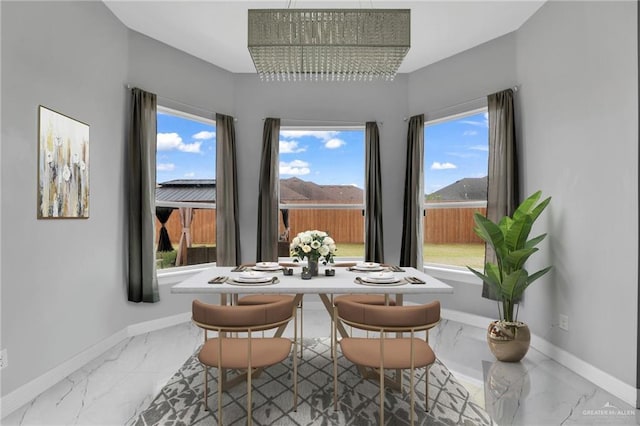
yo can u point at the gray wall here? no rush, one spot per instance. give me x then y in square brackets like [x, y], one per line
[577, 63]
[62, 285]
[62, 281]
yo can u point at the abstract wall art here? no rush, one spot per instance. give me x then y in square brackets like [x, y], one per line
[63, 166]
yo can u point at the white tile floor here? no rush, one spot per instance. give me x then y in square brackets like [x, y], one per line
[116, 387]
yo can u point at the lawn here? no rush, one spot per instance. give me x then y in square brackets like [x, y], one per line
[446, 254]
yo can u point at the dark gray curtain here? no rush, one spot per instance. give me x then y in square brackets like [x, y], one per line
[412, 232]
[502, 190]
[228, 230]
[374, 241]
[164, 241]
[267, 249]
[141, 181]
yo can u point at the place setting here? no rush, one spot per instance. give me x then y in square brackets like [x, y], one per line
[377, 278]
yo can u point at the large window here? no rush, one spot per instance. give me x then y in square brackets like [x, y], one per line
[322, 186]
[185, 189]
[455, 182]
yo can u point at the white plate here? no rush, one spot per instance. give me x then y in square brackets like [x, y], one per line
[260, 280]
[266, 266]
[254, 275]
[367, 266]
[380, 276]
[380, 280]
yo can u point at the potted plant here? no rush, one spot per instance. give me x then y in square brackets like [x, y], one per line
[509, 338]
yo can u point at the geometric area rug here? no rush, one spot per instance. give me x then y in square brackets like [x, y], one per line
[180, 401]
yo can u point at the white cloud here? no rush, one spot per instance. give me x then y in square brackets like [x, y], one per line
[295, 167]
[484, 148]
[204, 135]
[171, 141]
[323, 135]
[470, 132]
[442, 166]
[334, 143]
[290, 147]
[165, 167]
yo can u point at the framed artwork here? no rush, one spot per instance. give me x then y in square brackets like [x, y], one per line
[63, 166]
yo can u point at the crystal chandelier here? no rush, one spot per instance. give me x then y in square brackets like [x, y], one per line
[328, 44]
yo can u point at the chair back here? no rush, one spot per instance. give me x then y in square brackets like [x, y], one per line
[389, 318]
[245, 317]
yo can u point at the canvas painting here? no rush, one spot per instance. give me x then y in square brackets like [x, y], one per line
[63, 166]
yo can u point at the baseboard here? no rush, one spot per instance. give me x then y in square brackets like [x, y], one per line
[24, 394]
[615, 386]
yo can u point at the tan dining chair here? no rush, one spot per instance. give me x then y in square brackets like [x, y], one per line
[384, 352]
[261, 299]
[244, 353]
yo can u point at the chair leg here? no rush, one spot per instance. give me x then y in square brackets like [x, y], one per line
[220, 396]
[301, 327]
[206, 382]
[426, 388]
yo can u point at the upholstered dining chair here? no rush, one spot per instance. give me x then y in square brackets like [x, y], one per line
[244, 353]
[261, 299]
[384, 352]
[367, 299]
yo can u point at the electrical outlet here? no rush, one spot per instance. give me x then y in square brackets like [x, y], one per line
[4, 360]
[563, 322]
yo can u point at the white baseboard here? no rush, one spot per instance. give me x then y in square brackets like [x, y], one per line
[24, 394]
[615, 386]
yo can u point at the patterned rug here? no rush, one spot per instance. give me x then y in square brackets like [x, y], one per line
[180, 401]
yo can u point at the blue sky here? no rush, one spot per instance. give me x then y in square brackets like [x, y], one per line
[453, 150]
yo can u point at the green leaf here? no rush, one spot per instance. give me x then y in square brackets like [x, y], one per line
[516, 259]
[538, 274]
[489, 232]
[518, 234]
[539, 208]
[494, 284]
[534, 241]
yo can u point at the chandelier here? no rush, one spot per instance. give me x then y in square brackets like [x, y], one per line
[328, 44]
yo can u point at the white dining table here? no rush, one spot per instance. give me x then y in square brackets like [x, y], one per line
[344, 281]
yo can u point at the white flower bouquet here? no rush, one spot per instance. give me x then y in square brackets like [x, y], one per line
[315, 245]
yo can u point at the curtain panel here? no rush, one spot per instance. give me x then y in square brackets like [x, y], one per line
[141, 181]
[502, 190]
[267, 239]
[374, 241]
[412, 229]
[228, 229]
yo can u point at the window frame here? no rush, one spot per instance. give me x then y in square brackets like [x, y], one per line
[177, 273]
[440, 270]
[328, 206]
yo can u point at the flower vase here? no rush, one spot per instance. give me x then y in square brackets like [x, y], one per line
[313, 267]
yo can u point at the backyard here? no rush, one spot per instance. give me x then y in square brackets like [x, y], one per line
[471, 254]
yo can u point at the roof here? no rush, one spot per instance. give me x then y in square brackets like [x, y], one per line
[292, 190]
[192, 190]
[466, 189]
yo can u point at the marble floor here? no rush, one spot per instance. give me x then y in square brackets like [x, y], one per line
[114, 388]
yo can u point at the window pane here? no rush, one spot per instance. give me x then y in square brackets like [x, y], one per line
[322, 172]
[455, 171]
[185, 188]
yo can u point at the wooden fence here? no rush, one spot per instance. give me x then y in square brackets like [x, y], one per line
[448, 225]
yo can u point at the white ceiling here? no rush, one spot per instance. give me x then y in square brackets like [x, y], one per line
[216, 31]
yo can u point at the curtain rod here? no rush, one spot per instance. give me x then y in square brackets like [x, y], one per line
[356, 123]
[514, 88]
[128, 86]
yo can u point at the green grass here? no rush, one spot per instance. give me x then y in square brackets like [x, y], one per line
[446, 254]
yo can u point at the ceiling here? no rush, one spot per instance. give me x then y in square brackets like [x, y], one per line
[216, 31]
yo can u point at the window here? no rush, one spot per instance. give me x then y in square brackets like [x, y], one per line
[185, 189]
[456, 153]
[321, 186]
